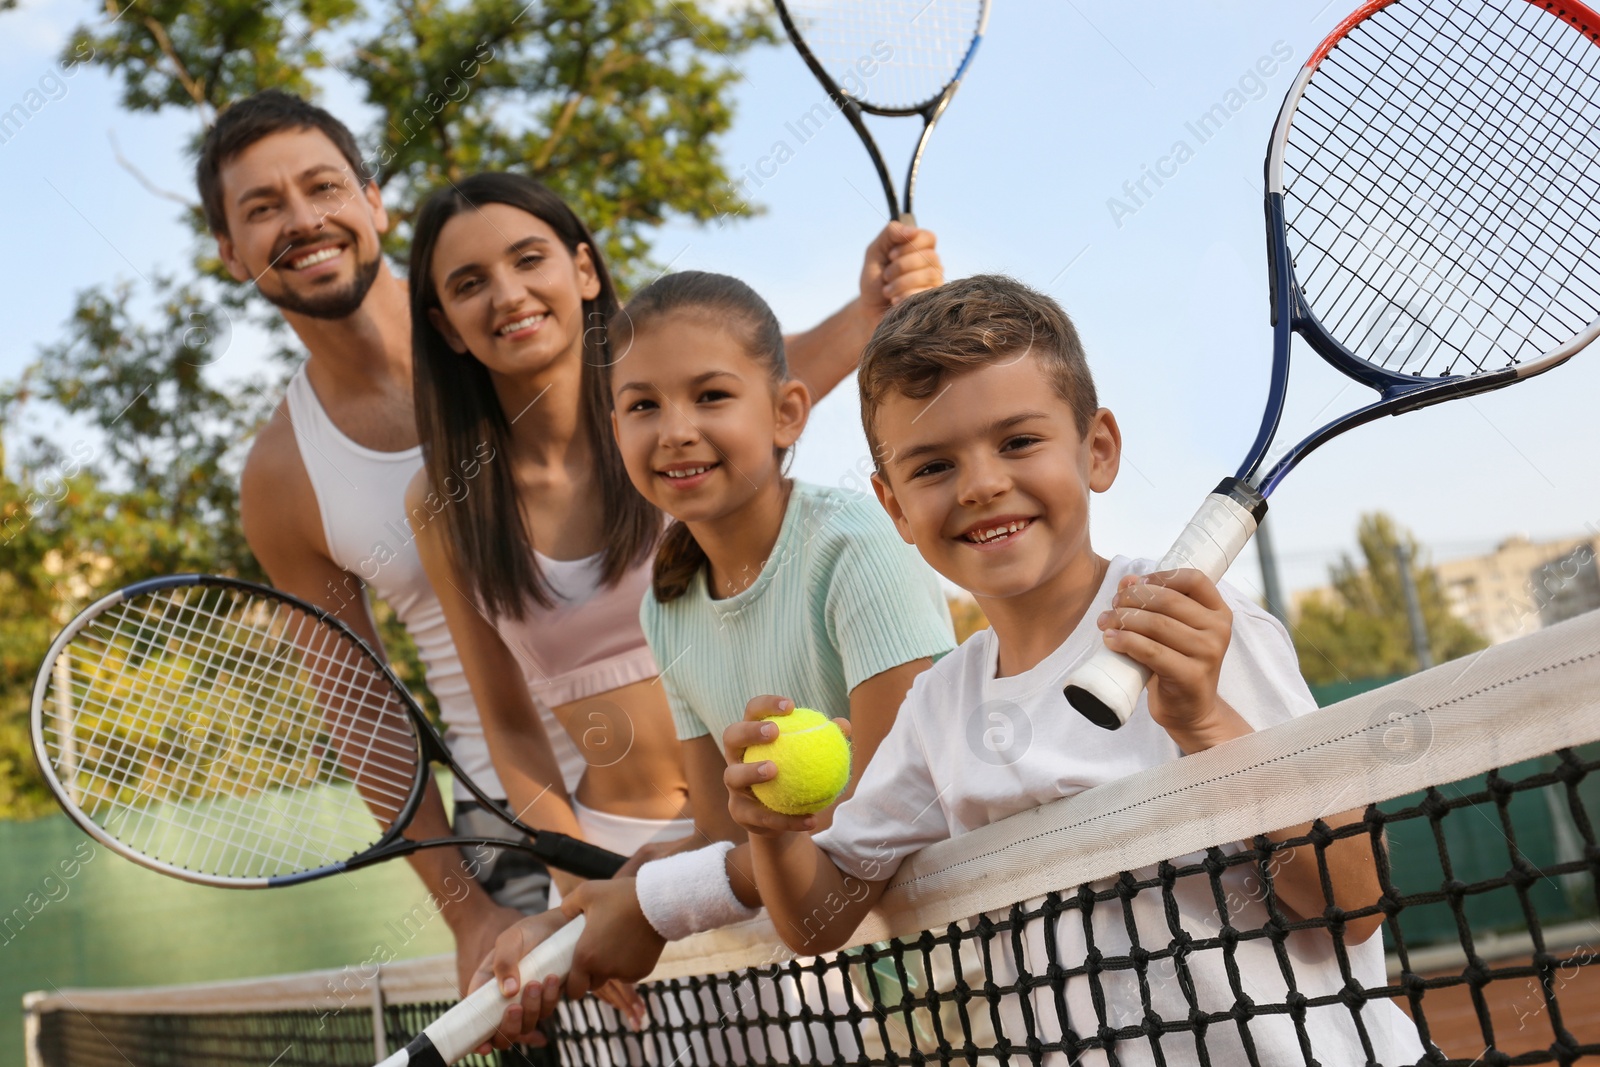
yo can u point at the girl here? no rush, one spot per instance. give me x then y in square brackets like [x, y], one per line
[761, 585]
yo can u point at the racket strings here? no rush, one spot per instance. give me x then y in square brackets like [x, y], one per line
[1440, 185]
[228, 734]
[135, 812]
[267, 810]
[183, 639]
[889, 54]
[1434, 91]
[1548, 128]
[129, 752]
[159, 706]
[1458, 268]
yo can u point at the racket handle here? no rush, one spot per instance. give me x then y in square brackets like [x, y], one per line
[471, 1022]
[576, 857]
[1106, 688]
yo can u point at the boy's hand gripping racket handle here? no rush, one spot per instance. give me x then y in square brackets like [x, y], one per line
[471, 1022]
[1106, 688]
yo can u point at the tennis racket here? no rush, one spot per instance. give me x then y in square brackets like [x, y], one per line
[233, 735]
[888, 57]
[1433, 214]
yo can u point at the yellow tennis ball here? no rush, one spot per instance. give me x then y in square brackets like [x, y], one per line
[813, 760]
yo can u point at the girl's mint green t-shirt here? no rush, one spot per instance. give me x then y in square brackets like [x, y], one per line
[841, 599]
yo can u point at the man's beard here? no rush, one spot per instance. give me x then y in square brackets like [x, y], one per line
[335, 304]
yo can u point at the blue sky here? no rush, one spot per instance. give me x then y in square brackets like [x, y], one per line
[1067, 101]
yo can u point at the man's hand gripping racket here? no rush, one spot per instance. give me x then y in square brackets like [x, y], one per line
[1433, 214]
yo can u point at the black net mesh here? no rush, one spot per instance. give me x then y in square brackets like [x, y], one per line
[305, 1038]
[1488, 908]
[288, 1039]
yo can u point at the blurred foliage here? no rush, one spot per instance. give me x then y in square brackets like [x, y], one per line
[125, 472]
[967, 616]
[1360, 630]
[146, 421]
[617, 105]
[127, 442]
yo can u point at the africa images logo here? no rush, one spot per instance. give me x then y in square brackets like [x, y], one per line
[999, 732]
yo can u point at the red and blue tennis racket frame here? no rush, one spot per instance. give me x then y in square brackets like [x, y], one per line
[1106, 688]
[1397, 393]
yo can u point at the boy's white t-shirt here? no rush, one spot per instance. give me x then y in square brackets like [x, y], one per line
[968, 749]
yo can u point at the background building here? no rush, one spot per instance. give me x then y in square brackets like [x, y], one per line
[1522, 585]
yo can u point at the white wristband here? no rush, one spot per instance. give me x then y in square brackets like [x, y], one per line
[690, 892]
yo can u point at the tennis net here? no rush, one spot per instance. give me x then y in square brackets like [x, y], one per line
[1134, 923]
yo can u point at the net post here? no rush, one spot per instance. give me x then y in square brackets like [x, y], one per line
[1420, 642]
[66, 729]
[31, 1056]
[380, 1034]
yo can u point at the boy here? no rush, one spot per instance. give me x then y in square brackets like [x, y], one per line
[977, 401]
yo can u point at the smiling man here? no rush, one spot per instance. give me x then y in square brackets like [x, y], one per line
[295, 212]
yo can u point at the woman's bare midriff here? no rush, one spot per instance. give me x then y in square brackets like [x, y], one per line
[631, 747]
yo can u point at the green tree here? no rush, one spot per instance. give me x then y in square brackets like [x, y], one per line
[128, 440]
[618, 105]
[148, 420]
[1361, 630]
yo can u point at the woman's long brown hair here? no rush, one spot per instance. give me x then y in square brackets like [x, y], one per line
[463, 427]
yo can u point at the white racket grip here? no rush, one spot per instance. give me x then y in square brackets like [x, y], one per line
[1106, 688]
[471, 1022]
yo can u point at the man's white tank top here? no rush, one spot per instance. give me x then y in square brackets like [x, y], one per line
[361, 494]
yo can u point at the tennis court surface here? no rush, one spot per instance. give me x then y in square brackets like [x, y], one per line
[1056, 936]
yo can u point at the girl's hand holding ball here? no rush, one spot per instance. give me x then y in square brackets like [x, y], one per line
[784, 765]
[812, 757]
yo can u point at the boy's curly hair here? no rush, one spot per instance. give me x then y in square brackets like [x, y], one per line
[967, 324]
